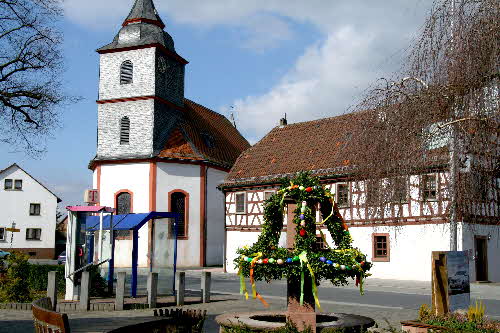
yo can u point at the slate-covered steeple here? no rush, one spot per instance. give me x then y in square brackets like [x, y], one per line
[143, 26]
[144, 11]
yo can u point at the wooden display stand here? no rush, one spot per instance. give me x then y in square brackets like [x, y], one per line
[440, 302]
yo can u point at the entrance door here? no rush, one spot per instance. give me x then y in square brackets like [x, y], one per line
[481, 246]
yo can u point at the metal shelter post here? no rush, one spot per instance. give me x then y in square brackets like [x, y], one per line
[176, 223]
[135, 245]
[111, 263]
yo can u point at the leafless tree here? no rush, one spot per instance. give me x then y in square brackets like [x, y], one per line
[440, 112]
[30, 72]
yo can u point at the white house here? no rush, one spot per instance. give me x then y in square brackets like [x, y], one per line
[158, 151]
[399, 248]
[31, 208]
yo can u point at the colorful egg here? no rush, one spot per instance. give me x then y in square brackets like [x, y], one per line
[336, 265]
[245, 258]
[296, 258]
[309, 189]
[301, 187]
[322, 259]
[271, 260]
[249, 259]
[342, 267]
[303, 223]
[280, 261]
[347, 267]
[259, 261]
[265, 261]
[302, 210]
[302, 232]
[289, 260]
[302, 216]
[329, 262]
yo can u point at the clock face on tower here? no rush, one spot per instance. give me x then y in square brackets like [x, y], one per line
[162, 65]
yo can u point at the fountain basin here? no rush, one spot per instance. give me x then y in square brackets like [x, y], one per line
[270, 320]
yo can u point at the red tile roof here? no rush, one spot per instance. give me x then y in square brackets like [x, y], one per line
[203, 134]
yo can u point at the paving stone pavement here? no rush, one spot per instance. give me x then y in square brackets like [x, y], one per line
[21, 321]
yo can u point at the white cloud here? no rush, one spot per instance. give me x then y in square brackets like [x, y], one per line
[363, 41]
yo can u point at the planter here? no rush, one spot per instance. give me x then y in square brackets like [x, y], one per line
[418, 327]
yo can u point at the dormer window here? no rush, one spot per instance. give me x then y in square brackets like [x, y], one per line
[126, 72]
[124, 131]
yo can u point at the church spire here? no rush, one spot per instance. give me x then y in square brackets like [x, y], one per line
[144, 11]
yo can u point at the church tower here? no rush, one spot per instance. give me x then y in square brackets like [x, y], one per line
[141, 87]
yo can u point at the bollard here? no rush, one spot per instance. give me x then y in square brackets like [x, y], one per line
[120, 291]
[52, 289]
[152, 289]
[84, 292]
[180, 286]
[205, 286]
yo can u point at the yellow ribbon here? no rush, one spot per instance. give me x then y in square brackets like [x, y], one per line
[243, 287]
[303, 259]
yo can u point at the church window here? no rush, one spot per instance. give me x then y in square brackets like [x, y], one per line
[123, 203]
[124, 131]
[179, 203]
[126, 72]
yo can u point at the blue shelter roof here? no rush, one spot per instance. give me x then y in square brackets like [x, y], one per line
[126, 221]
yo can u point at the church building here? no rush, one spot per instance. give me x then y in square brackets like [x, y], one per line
[157, 150]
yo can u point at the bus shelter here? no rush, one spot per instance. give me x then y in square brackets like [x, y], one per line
[163, 244]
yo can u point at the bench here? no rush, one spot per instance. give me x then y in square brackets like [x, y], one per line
[46, 320]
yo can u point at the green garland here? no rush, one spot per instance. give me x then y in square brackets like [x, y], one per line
[270, 262]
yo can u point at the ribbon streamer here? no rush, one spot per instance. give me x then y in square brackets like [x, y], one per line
[243, 287]
[255, 294]
[303, 259]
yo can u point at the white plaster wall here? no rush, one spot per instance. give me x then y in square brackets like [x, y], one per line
[172, 176]
[215, 218]
[235, 240]
[15, 207]
[411, 247]
[135, 178]
[143, 83]
[467, 232]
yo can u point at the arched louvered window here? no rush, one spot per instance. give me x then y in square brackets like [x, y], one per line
[126, 72]
[124, 131]
[123, 203]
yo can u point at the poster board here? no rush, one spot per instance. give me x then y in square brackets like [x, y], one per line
[450, 281]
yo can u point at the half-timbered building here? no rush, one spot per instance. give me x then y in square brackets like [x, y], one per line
[416, 218]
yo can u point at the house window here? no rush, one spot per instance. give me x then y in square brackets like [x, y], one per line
[320, 243]
[179, 203]
[123, 203]
[34, 209]
[18, 184]
[33, 233]
[268, 194]
[126, 72]
[399, 189]
[7, 184]
[2, 234]
[381, 248]
[124, 131]
[429, 187]
[343, 195]
[240, 203]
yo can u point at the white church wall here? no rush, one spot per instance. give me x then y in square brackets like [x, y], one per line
[186, 177]
[215, 218]
[492, 234]
[135, 178]
[143, 83]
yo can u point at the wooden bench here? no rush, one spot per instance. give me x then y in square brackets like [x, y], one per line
[46, 320]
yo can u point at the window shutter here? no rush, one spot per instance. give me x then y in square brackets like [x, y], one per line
[124, 131]
[126, 72]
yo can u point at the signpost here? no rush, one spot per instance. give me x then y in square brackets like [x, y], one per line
[12, 230]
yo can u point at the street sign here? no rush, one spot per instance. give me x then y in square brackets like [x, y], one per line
[91, 196]
[12, 229]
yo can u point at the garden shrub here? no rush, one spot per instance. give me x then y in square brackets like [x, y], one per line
[13, 286]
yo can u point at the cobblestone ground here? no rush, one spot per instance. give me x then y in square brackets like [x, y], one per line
[21, 321]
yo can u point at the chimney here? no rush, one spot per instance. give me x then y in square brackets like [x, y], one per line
[283, 122]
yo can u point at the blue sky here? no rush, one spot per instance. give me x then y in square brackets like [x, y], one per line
[260, 59]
